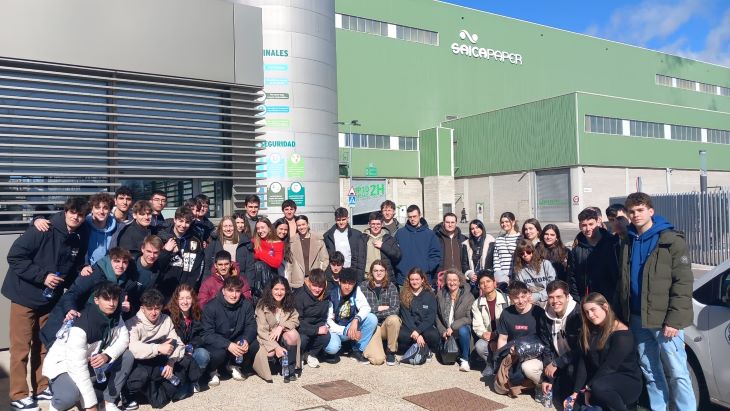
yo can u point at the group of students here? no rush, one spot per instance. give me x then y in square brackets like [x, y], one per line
[155, 309]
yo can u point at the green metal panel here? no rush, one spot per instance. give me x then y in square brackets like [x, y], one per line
[397, 87]
[387, 163]
[537, 135]
[624, 151]
[427, 147]
[444, 146]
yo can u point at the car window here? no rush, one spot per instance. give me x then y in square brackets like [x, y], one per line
[716, 291]
[725, 289]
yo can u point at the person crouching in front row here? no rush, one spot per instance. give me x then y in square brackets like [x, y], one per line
[97, 340]
[276, 322]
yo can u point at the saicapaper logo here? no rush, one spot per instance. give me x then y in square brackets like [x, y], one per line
[482, 53]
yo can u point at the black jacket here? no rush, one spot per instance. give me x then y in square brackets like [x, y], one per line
[444, 240]
[192, 334]
[202, 228]
[35, 254]
[573, 328]
[130, 237]
[186, 266]
[224, 323]
[594, 269]
[389, 253]
[312, 312]
[358, 248]
[421, 315]
[81, 292]
[244, 256]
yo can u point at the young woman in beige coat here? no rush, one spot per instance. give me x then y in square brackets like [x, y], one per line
[308, 252]
[276, 323]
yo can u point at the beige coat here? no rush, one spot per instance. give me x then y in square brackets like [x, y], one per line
[481, 316]
[145, 337]
[318, 258]
[265, 322]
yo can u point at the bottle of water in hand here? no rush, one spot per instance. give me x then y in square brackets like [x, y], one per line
[285, 364]
[48, 291]
[569, 403]
[239, 359]
[63, 331]
[547, 399]
[174, 379]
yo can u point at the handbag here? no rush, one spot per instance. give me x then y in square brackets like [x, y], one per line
[449, 350]
[415, 355]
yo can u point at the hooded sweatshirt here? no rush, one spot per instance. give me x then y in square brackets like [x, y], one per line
[560, 343]
[419, 248]
[145, 337]
[641, 246]
[100, 239]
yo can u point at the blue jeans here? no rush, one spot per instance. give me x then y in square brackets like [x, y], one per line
[367, 328]
[201, 357]
[464, 339]
[657, 352]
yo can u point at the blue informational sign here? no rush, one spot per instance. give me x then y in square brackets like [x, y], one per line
[277, 109]
[351, 200]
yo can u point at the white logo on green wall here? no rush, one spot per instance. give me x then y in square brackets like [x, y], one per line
[471, 50]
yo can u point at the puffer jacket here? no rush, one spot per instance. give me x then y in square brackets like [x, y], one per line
[450, 246]
[481, 319]
[91, 334]
[667, 280]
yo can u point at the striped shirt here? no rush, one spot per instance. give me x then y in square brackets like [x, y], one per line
[504, 249]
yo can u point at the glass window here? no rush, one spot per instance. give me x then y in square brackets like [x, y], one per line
[686, 84]
[708, 88]
[686, 133]
[346, 22]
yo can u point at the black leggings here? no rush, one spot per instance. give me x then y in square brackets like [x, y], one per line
[615, 391]
[431, 335]
[221, 357]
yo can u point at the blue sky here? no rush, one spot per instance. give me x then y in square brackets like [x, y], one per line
[698, 29]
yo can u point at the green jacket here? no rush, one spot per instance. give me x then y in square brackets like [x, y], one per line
[666, 290]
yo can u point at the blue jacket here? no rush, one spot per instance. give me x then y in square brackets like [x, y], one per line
[419, 248]
[100, 239]
[641, 247]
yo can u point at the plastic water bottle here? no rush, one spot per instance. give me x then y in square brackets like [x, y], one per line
[48, 291]
[189, 349]
[99, 372]
[65, 328]
[239, 359]
[285, 364]
[569, 403]
[547, 399]
[174, 380]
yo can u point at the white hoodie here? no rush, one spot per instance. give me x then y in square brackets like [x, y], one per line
[558, 337]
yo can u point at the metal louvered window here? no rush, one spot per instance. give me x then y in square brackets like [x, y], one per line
[69, 131]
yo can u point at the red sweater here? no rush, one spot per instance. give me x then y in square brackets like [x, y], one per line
[213, 284]
[270, 253]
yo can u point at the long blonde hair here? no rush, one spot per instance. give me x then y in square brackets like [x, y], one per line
[234, 237]
[604, 329]
[406, 292]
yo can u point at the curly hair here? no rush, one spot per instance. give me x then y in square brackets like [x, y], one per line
[267, 299]
[522, 246]
[176, 315]
[406, 292]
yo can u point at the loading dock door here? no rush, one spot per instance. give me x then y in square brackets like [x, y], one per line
[553, 195]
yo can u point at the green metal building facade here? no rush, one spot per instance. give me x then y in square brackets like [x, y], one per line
[502, 102]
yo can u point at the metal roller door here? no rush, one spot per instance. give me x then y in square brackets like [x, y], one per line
[553, 195]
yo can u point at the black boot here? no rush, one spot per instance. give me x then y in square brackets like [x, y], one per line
[291, 353]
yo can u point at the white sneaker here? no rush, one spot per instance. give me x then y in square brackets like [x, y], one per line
[312, 361]
[464, 366]
[214, 380]
[236, 373]
[110, 406]
[196, 388]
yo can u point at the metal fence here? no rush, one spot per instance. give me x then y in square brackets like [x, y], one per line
[703, 217]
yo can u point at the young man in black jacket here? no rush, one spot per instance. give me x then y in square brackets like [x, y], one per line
[312, 303]
[40, 265]
[594, 260]
[112, 268]
[130, 236]
[229, 330]
[380, 245]
[347, 240]
[561, 333]
[188, 255]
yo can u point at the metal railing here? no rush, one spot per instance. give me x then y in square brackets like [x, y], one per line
[703, 217]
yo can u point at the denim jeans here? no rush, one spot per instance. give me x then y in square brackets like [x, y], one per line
[367, 328]
[464, 339]
[657, 352]
[202, 358]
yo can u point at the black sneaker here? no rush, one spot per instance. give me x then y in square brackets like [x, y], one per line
[331, 358]
[488, 371]
[24, 404]
[390, 359]
[46, 395]
[357, 356]
[130, 405]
